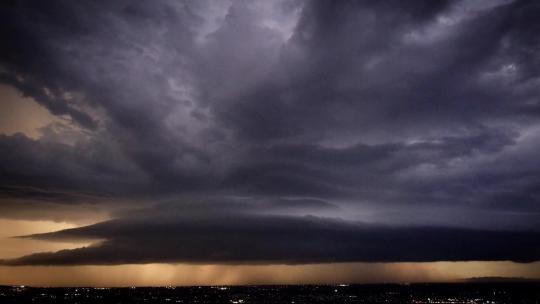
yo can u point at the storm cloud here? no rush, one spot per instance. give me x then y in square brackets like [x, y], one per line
[310, 131]
[279, 240]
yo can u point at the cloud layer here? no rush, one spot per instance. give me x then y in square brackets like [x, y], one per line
[279, 240]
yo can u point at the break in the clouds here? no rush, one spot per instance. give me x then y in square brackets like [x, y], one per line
[305, 131]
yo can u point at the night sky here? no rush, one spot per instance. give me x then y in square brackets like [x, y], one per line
[268, 141]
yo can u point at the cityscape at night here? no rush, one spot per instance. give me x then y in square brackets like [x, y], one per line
[479, 293]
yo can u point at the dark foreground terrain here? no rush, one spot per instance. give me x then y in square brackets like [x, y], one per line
[387, 293]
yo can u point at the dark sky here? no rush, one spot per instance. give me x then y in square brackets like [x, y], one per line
[263, 132]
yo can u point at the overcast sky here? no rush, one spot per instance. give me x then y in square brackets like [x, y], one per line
[272, 132]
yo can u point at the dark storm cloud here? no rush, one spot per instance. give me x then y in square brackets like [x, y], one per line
[286, 240]
[56, 171]
[356, 109]
[366, 69]
[52, 49]
[316, 170]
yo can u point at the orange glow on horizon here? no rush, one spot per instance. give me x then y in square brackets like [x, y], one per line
[182, 274]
